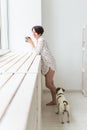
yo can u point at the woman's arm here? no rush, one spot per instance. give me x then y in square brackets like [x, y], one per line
[30, 41]
[39, 46]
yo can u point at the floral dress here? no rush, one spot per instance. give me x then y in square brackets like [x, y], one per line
[47, 60]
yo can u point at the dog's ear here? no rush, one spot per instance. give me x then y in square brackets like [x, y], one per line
[57, 89]
[63, 89]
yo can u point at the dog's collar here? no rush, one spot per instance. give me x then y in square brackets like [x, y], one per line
[60, 94]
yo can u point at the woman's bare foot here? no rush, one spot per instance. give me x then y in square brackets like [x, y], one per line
[51, 103]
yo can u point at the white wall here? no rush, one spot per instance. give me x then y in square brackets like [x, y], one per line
[23, 14]
[63, 21]
[0, 14]
[0, 23]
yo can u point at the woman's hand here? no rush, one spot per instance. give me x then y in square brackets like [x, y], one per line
[29, 40]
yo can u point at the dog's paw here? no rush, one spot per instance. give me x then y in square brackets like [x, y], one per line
[57, 112]
[62, 122]
[68, 121]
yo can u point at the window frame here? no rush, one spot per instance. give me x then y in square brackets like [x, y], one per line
[4, 28]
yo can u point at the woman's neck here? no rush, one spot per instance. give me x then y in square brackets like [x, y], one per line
[38, 37]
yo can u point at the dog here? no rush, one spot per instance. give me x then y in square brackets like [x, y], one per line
[62, 105]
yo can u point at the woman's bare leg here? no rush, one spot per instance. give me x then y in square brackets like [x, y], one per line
[49, 84]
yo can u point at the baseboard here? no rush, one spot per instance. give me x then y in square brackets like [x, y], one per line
[68, 90]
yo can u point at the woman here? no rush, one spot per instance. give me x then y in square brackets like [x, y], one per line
[47, 60]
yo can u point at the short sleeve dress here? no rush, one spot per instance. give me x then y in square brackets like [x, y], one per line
[47, 60]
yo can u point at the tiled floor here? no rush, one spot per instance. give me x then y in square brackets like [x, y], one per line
[78, 115]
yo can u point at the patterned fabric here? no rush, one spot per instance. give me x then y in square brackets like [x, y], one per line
[47, 60]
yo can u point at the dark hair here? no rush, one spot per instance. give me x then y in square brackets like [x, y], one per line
[38, 29]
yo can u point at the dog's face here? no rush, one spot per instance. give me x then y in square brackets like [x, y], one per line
[60, 90]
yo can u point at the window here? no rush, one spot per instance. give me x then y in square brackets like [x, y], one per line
[4, 38]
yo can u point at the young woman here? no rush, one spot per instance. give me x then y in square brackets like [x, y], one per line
[47, 60]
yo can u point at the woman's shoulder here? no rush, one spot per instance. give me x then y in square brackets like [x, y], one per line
[41, 39]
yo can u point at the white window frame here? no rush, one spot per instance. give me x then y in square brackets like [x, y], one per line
[4, 27]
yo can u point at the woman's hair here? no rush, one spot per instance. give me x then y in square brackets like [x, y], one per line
[38, 29]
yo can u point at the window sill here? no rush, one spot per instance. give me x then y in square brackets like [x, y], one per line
[3, 52]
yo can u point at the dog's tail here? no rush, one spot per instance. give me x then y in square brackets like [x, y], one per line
[65, 105]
